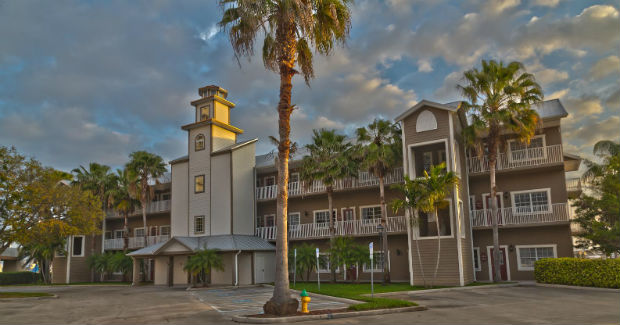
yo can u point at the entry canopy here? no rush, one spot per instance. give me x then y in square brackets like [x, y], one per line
[189, 245]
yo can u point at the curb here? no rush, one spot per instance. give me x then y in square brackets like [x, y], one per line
[549, 285]
[53, 296]
[220, 287]
[417, 292]
[338, 299]
[292, 319]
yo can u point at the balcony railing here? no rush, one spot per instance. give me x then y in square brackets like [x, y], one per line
[364, 179]
[573, 185]
[152, 207]
[134, 242]
[342, 228]
[532, 157]
[558, 212]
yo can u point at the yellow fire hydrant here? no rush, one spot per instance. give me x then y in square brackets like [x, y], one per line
[305, 299]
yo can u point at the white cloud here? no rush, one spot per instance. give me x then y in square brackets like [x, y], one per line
[558, 94]
[424, 66]
[545, 3]
[604, 67]
[498, 6]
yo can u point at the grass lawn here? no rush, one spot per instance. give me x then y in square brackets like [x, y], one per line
[24, 294]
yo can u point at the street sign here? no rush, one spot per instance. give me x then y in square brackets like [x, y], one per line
[370, 248]
[372, 274]
[317, 252]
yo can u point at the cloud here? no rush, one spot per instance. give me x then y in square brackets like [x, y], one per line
[605, 66]
[545, 3]
[424, 66]
[498, 6]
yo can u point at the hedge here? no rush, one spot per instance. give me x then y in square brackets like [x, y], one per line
[578, 272]
[19, 278]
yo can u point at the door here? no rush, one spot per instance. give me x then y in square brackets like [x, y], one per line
[502, 263]
[170, 271]
[264, 267]
[348, 216]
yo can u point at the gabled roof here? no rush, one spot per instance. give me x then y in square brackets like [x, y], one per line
[550, 109]
[224, 243]
[234, 146]
[452, 107]
[10, 253]
[179, 160]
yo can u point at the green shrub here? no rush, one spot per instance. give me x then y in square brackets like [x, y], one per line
[19, 278]
[579, 272]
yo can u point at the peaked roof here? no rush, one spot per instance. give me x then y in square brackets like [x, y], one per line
[225, 243]
[452, 107]
[234, 146]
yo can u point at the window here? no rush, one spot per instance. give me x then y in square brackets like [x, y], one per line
[165, 196]
[348, 214]
[535, 201]
[293, 221]
[270, 220]
[77, 249]
[270, 180]
[199, 224]
[199, 184]
[204, 113]
[527, 255]
[199, 142]
[442, 156]
[119, 233]
[523, 151]
[293, 178]
[477, 259]
[427, 223]
[164, 230]
[260, 221]
[427, 161]
[321, 219]
[377, 262]
[108, 235]
[369, 214]
[138, 232]
[324, 263]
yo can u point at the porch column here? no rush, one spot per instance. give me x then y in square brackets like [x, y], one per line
[136, 272]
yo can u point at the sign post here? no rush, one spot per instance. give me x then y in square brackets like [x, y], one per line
[372, 275]
[318, 274]
[295, 267]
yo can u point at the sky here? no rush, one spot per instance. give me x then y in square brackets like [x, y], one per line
[92, 81]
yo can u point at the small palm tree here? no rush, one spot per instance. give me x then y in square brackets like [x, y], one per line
[122, 196]
[202, 263]
[341, 253]
[360, 255]
[438, 184]
[145, 167]
[415, 193]
[291, 30]
[499, 96]
[381, 151]
[119, 262]
[330, 160]
[100, 263]
[306, 259]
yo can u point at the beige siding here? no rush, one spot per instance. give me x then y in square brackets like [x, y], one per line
[221, 196]
[199, 164]
[180, 207]
[243, 162]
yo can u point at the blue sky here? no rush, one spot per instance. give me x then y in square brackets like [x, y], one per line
[84, 81]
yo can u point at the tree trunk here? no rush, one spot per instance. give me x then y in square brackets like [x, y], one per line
[417, 247]
[332, 232]
[438, 246]
[281, 303]
[126, 231]
[497, 276]
[144, 202]
[384, 237]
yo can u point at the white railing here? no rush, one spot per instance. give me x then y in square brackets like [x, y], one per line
[573, 184]
[134, 242]
[152, 207]
[531, 157]
[342, 228]
[557, 212]
[364, 179]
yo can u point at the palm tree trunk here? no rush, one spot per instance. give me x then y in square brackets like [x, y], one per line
[332, 231]
[281, 303]
[384, 237]
[417, 247]
[143, 202]
[496, 253]
[126, 231]
[438, 247]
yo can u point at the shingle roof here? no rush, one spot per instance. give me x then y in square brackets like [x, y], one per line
[224, 243]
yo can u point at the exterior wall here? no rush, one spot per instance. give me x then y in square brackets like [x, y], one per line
[161, 270]
[559, 235]
[199, 164]
[220, 219]
[160, 219]
[226, 276]
[221, 137]
[11, 266]
[243, 208]
[179, 275]
[221, 112]
[180, 207]
[264, 267]
[80, 272]
[245, 268]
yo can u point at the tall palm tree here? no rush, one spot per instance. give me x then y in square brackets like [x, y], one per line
[499, 96]
[414, 193]
[438, 184]
[381, 152]
[145, 167]
[330, 160]
[122, 197]
[291, 29]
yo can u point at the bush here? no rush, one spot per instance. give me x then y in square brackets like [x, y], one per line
[579, 272]
[19, 278]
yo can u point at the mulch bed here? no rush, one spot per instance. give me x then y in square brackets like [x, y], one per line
[312, 312]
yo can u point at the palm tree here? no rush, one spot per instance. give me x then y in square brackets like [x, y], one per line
[201, 264]
[120, 262]
[306, 259]
[381, 152]
[499, 96]
[122, 198]
[330, 160]
[604, 149]
[145, 167]
[438, 184]
[415, 193]
[290, 28]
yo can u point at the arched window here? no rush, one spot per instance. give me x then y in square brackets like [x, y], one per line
[426, 121]
[199, 143]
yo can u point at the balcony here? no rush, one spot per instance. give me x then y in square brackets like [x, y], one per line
[364, 179]
[152, 207]
[573, 187]
[343, 228]
[526, 158]
[537, 215]
[134, 242]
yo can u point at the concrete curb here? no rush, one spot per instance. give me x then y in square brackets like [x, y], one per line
[221, 287]
[417, 292]
[53, 296]
[549, 285]
[292, 319]
[338, 299]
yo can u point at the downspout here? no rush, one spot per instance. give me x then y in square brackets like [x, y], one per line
[237, 268]
[69, 251]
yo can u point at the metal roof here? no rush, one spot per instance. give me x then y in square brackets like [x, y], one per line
[10, 252]
[223, 243]
[234, 146]
[550, 109]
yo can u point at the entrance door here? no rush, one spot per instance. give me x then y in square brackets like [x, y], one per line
[170, 271]
[502, 264]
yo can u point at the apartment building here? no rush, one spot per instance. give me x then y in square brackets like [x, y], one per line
[223, 196]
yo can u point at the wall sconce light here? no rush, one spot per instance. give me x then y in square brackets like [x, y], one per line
[511, 248]
[506, 195]
[305, 213]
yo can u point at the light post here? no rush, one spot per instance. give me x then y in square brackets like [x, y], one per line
[381, 229]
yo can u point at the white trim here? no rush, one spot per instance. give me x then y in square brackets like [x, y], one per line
[293, 226]
[328, 270]
[484, 200]
[507, 260]
[476, 259]
[204, 225]
[544, 151]
[407, 216]
[265, 220]
[322, 224]
[298, 177]
[116, 231]
[83, 245]
[348, 208]
[369, 206]
[455, 192]
[138, 228]
[269, 177]
[514, 207]
[451, 225]
[527, 268]
[365, 269]
[165, 226]
[426, 121]
[411, 156]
